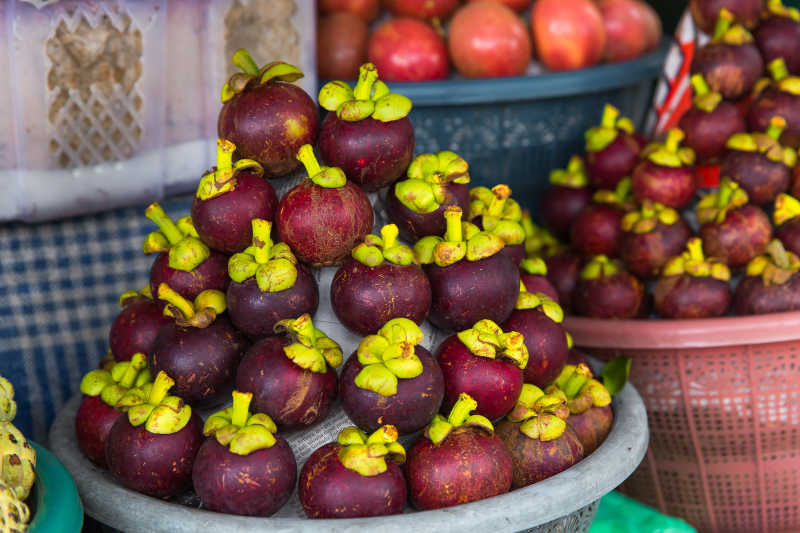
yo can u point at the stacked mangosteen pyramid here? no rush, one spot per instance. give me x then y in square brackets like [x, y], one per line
[337, 341]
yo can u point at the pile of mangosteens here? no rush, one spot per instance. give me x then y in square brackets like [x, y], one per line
[229, 313]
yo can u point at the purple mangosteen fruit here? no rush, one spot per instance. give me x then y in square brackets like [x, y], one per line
[152, 448]
[493, 210]
[356, 476]
[786, 217]
[597, 229]
[731, 63]
[771, 283]
[732, 230]
[564, 272]
[380, 282]
[268, 285]
[650, 237]
[693, 286]
[781, 98]
[325, 216]
[566, 197]
[778, 35]
[666, 173]
[458, 459]
[228, 197]
[794, 189]
[470, 279]
[434, 182]
[533, 274]
[265, 115]
[243, 468]
[745, 12]
[136, 326]
[607, 290]
[367, 132]
[540, 441]
[292, 376]
[539, 242]
[612, 149]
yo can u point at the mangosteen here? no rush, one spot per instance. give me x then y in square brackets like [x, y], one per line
[730, 63]
[607, 290]
[533, 274]
[244, 468]
[538, 319]
[564, 272]
[494, 210]
[732, 230]
[746, 12]
[692, 285]
[458, 459]
[710, 122]
[136, 326]
[228, 197]
[778, 35]
[666, 173]
[200, 350]
[612, 150]
[597, 228]
[469, 278]
[292, 376]
[265, 115]
[786, 217]
[771, 283]
[566, 197]
[541, 443]
[650, 236]
[325, 216]
[781, 98]
[434, 181]
[185, 263]
[367, 132]
[102, 389]
[152, 448]
[539, 242]
[268, 285]
[352, 478]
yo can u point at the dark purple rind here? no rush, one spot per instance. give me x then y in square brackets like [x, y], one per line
[730, 70]
[210, 274]
[753, 297]
[93, 423]
[563, 272]
[515, 252]
[608, 166]
[762, 179]
[592, 427]
[646, 253]
[535, 283]
[789, 235]
[773, 102]
[671, 186]
[135, 328]
[743, 234]
[561, 206]
[413, 226]
[546, 343]
[778, 37]
[597, 231]
[686, 296]
[706, 12]
[618, 296]
[708, 132]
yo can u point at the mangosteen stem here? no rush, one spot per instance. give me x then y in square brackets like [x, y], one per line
[389, 234]
[242, 59]
[157, 214]
[610, 115]
[577, 380]
[161, 387]
[309, 160]
[786, 208]
[461, 410]
[724, 194]
[778, 254]
[239, 411]
[699, 85]
[695, 249]
[452, 219]
[138, 362]
[622, 190]
[225, 150]
[776, 127]
[262, 243]
[176, 300]
[674, 138]
[723, 24]
[501, 194]
[367, 76]
[648, 210]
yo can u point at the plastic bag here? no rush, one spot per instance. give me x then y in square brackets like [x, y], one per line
[620, 514]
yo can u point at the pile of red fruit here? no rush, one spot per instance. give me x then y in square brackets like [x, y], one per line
[417, 40]
[686, 221]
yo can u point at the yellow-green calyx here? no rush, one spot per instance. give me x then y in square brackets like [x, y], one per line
[367, 454]
[621, 197]
[240, 431]
[765, 143]
[273, 265]
[695, 264]
[374, 250]
[251, 74]
[579, 389]
[198, 314]
[714, 207]
[150, 405]
[776, 8]
[786, 208]
[180, 239]
[425, 190]
[780, 74]
[648, 217]
[310, 348]
[601, 266]
[8, 407]
[538, 241]
[535, 266]
[574, 176]
[541, 415]
[486, 339]
[539, 300]
[369, 98]
[461, 240]
[223, 178]
[328, 177]
[389, 356]
[440, 427]
[726, 32]
[776, 266]
[704, 98]
[599, 137]
[112, 385]
[500, 214]
[669, 153]
[128, 296]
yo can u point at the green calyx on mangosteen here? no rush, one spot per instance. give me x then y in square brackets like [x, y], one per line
[670, 153]
[566, 197]
[375, 250]
[778, 97]
[460, 241]
[112, 385]
[389, 356]
[573, 176]
[786, 217]
[425, 190]
[179, 239]
[771, 283]
[252, 75]
[666, 172]
[494, 210]
[223, 178]
[542, 416]
[539, 242]
[367, 454]
[487, 339]
[714, 207]
[611, 149]
[775, 267]
[310, 348]
[607, 290]
[611, 124]
[272, 265]
[440, 427]
[541, 301]
[693, 262]
[650, 236]
[239, 430]
[704, 98]
[199, 313]
[150, 405]
[370, 98]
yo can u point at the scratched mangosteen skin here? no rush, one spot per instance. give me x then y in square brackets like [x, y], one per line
[645, 253]
[743, 234]
[597, 230]
[327, 489]
[494, 383]
[563, 272]
[535, 460]
[291, 395]
[708, 132]
[592, 426]
[789, 235]
[257, 484]
[673, 187]
[93, 423]
[686, 296]
[202, 361]
[761, 178]
[608, 166]
[255, 313]
[322, 225]
[224, 222]
[269, 123]
[776, 103]
[752, 297]
[364, 298]
[156, 465]
[729, 70]
[534, 283]
[561, 205]
[372, 153]
[135, 328]
[414, 226]
[546, 343]
[416, 402]
[467, 466]
[210, 274]
[778, 37]
[617, 296]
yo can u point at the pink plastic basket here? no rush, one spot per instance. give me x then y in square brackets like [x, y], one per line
[723, 403]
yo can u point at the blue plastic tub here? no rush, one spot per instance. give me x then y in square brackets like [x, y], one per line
[56, 506]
